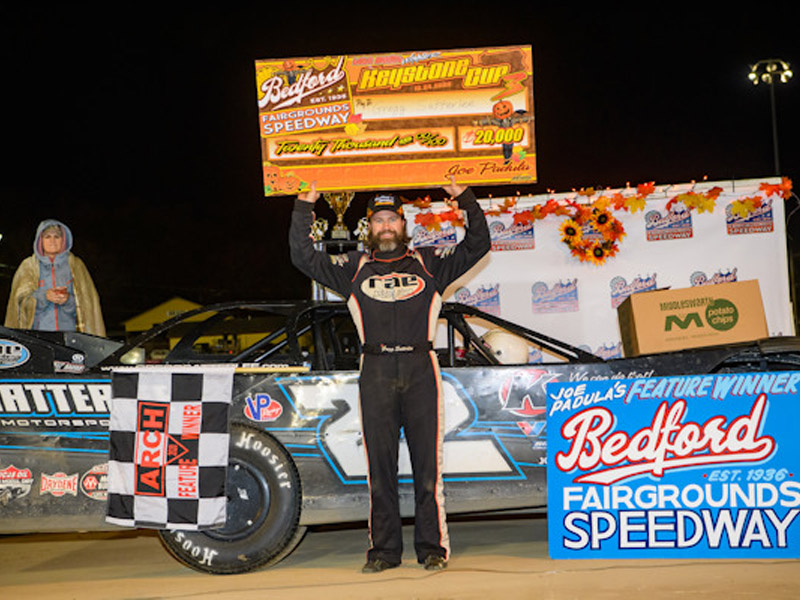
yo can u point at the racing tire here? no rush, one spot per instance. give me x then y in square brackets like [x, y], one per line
[263, 511]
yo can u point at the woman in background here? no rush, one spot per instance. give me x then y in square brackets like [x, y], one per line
[52, 289]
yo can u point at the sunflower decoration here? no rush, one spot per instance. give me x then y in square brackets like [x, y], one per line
[601, 220]
[592, 233]
[571, 233]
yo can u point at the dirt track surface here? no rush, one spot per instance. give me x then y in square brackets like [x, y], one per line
[499, 558]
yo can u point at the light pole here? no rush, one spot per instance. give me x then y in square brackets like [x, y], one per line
[767, 71]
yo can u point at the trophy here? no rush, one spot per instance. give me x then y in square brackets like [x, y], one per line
[339, 201]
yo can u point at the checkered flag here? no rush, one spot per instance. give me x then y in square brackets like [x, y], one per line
[169, 446]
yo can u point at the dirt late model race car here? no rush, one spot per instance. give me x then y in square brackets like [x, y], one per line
[296, 458]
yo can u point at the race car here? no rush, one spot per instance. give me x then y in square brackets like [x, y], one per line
[296, 456]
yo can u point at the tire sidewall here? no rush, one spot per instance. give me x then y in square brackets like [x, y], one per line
[211, 552]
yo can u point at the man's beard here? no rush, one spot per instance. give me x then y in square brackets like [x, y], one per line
[386, 243]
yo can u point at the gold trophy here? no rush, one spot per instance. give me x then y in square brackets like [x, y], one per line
[339, 202]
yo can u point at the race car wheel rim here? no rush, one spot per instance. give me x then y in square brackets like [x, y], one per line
[248, 502]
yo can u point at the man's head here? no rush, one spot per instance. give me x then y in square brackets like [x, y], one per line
[387, 225]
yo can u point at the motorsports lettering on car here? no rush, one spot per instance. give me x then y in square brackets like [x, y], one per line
[296, 456]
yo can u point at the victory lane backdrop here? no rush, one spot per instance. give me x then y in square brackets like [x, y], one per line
[169, 433]
[703, 466]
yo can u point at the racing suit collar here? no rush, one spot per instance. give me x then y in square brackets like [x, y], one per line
[399, 252]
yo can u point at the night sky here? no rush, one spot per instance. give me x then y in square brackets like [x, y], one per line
[138, 127]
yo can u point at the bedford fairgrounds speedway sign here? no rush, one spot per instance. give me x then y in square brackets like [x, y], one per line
[396, 120]
[675, 467]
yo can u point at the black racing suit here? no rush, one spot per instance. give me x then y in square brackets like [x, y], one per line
[394, 299]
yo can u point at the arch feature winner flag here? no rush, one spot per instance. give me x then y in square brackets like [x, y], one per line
[169, 439]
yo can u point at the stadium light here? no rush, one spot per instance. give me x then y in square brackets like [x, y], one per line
[771, 71]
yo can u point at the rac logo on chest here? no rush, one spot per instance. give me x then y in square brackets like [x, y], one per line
[393, 287]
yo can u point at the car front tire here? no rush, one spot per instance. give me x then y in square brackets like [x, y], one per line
[263, 511]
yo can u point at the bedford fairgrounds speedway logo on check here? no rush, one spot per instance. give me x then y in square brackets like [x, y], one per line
[701, 466]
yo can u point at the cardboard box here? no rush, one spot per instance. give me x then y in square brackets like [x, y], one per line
[667, 320]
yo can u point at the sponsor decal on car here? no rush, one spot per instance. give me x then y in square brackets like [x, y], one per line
[59, 484]
[14, 483]
[13, 354]
[522, 394]
[54, 403]
[94, 483]
[262, 408]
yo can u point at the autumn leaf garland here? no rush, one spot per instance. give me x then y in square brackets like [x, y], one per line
[590, 230]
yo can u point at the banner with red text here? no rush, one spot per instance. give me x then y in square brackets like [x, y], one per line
[397, 120]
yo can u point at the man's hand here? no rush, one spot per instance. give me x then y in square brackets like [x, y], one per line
[311, 195]
[454, 189]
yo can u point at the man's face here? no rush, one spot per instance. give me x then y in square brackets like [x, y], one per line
[52, 241]
[386, 230]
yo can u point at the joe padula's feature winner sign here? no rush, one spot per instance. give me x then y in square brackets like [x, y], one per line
[397, 120]
[674, 467]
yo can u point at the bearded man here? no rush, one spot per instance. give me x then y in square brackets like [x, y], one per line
[394, 294]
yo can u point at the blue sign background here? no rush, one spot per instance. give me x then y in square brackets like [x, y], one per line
[701, 466]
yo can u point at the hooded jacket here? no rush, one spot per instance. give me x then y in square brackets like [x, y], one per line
[28, 307]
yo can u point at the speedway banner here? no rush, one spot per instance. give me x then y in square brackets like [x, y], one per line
[396, 120]
[701, 466]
